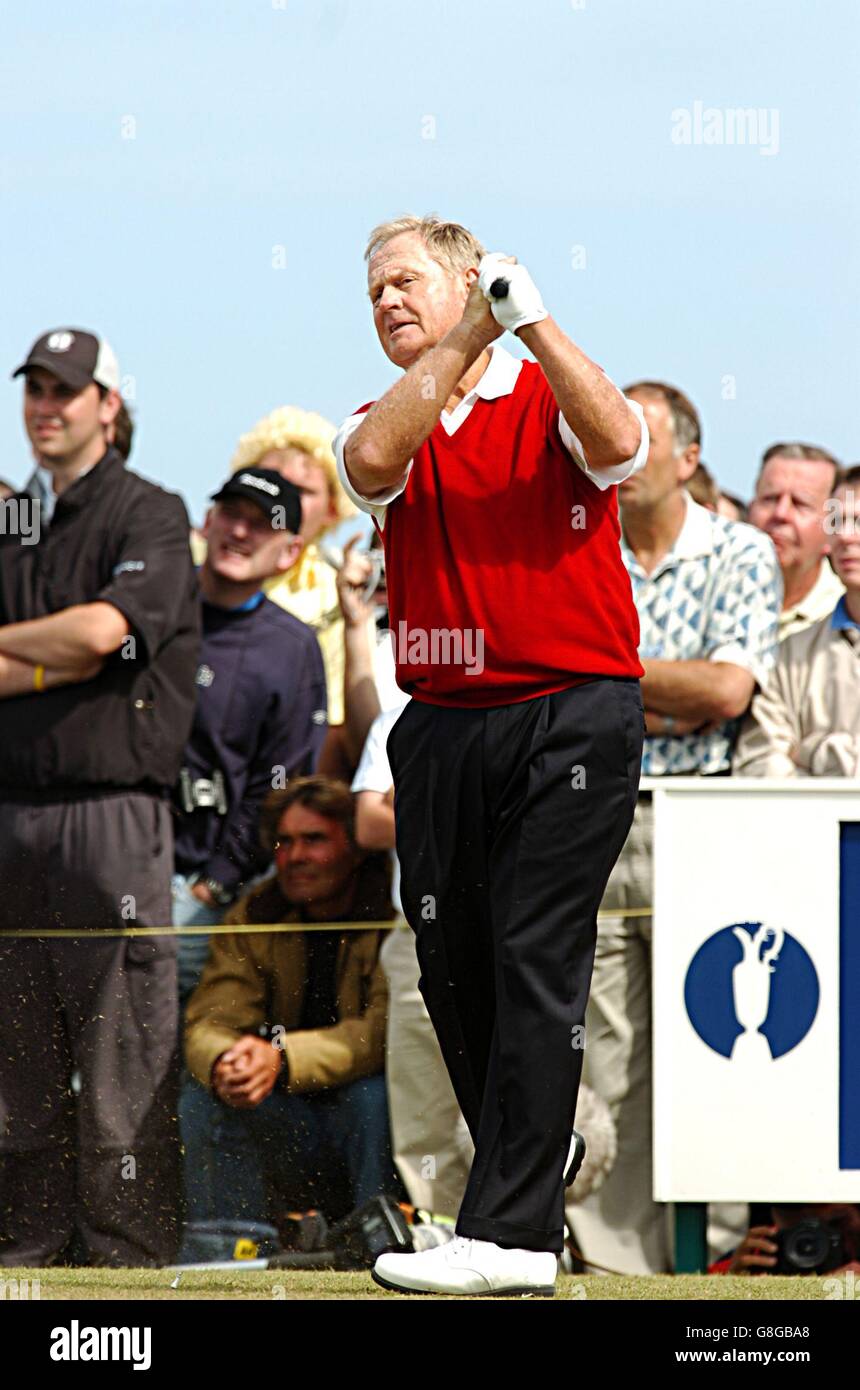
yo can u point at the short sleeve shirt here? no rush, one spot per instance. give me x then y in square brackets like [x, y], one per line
[716, 597]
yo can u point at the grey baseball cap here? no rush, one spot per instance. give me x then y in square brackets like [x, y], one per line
[75, 357]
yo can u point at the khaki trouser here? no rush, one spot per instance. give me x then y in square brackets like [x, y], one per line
[431, 1143]
[428, 1133]
[620, 1225]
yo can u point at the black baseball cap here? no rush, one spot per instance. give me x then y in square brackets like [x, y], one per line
[75, 357]
[269, 490]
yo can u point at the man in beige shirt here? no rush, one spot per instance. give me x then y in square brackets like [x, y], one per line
[792, 490]
[806, 720]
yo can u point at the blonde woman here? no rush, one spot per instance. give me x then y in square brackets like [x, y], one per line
[297, 444]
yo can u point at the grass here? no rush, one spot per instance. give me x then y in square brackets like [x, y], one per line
[282, 1284]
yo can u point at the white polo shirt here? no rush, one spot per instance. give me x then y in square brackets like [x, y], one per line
[373, 774]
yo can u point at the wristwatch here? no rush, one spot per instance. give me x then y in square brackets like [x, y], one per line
[223, 896]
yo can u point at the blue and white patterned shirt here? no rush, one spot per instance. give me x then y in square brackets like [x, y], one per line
[716, 596]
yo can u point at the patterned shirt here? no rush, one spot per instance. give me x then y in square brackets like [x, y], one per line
[716, 596]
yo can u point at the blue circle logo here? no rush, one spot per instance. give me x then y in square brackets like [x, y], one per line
[751, 992]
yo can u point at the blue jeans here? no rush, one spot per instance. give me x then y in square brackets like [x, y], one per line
[229, 1152]
[193, 951]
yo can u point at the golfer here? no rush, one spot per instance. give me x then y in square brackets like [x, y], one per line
[516, 762]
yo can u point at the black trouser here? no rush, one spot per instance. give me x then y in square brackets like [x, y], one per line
[105, 1163]
[509, 821]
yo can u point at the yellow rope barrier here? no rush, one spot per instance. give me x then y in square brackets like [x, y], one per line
[252, 928]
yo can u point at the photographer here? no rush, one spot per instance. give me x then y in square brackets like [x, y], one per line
[261, 705]
[296, 444]
[818, 1238]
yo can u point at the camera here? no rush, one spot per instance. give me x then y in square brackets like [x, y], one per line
[810, 1247]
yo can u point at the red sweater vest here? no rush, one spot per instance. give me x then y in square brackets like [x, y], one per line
[503, 561]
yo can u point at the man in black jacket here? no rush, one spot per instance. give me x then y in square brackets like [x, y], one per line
[261, 705]
[99, 639]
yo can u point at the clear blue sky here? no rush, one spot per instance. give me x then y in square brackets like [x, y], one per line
[260, 125]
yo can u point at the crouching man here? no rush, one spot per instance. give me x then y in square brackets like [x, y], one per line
[285, 1034]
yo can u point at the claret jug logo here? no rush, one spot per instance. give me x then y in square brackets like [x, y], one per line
[751, 992]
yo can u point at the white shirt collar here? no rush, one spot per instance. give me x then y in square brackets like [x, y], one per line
[498, 379]
[500, 375]
[826, 590]
[695, 538]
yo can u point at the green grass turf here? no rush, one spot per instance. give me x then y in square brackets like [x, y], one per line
[276, 1285]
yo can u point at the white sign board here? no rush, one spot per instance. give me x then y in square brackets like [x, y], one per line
[756, 990]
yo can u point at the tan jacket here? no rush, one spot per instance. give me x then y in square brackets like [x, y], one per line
[810, 705]
[254, 980]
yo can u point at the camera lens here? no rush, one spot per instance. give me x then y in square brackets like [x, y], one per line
[807, 1245]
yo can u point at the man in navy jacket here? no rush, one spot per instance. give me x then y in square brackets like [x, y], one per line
[261, 706]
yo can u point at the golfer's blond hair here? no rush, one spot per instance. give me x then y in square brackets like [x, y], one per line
[453, 246]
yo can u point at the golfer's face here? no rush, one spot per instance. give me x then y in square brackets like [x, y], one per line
[415, 300]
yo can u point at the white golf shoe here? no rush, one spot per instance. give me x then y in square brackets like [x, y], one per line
[464, 1266]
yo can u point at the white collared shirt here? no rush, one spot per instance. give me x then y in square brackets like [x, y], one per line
[373, 773]
[498, 379]
[716, 596]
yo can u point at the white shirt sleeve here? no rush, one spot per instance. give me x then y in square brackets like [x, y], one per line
[617, 472]
[391, 697]
[373, 773]
[376, 506]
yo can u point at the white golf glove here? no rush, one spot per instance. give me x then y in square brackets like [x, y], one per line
[522, 304]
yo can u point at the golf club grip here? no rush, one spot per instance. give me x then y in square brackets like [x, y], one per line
[499, 288]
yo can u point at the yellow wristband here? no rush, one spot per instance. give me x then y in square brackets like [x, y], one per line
[39, 678]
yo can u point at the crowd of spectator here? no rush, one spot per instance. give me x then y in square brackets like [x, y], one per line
[194, 726]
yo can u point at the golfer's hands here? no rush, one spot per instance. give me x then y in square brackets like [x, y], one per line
[756, 1252]
[246, 1073]
[522, 304]
[478, 314]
